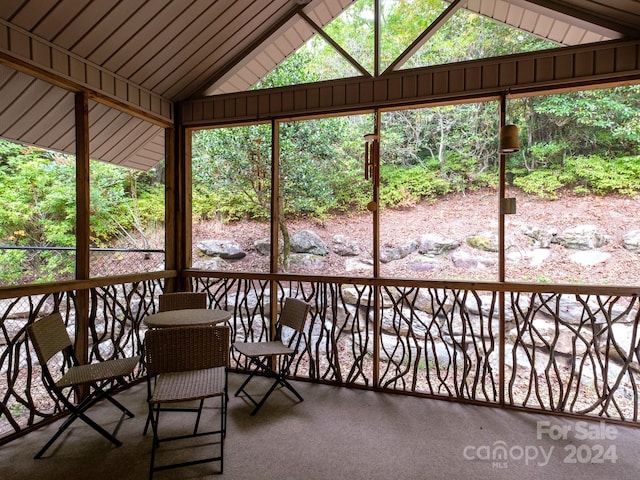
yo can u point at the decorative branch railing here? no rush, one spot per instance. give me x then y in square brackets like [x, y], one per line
[116, 310]
[566, 349]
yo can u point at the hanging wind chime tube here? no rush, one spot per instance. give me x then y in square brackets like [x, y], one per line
[371, 162]
[371, 153]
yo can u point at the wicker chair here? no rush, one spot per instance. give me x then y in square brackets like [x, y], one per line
[49, 338]
[293, 316]
[186, 364]
[181, 300]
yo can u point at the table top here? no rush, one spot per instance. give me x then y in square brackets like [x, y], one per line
[187, 317]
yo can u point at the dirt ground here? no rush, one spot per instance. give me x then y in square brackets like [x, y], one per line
[458, 217]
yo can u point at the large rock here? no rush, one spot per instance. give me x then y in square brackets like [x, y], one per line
[215, 264]
[485, 241]
[263, 246]
[589, 258]
[535, 257]
[465, 260]
[226, 249]
[542, 237]
[422, 264]
[344, 247]
[397, 252]
[306, 241]
[358, 265]
[308, 261]
[433, 244]
[582, 237]
[631, 241]
[620, 344]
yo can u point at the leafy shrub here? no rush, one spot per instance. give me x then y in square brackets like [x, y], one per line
[151, 205]
[585, 174]
[548, 154]
[11, 266]
[603, 176]
[406, 186]
[545, 183]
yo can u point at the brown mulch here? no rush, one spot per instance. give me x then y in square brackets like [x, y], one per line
[458, 217]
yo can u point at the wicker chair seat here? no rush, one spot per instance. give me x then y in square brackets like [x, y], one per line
[96, 372]
[260, 349]
[193, 385]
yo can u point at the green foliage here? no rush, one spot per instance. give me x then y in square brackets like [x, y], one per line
[151, 205]
[11, 265]
[548, 154]
[404, 187]
[38, 209]
[544, 183]
[592, 174]
[604, 176]
[587, 141]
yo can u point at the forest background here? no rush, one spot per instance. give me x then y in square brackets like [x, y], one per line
[582, 143]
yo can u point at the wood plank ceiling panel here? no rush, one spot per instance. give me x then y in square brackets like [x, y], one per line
[116, 136]
[27, 14]
[140, 45]
[224, 45]
[35, 112]
[75, 29]
[172, 31]
[203, 46]
[64, 13]
[178, 41]
[8, 8]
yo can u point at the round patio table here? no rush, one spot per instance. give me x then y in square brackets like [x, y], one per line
[189, 317]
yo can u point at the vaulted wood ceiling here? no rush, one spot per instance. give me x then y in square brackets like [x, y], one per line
[147, 55]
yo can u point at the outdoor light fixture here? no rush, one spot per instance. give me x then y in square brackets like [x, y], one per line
[509, 142]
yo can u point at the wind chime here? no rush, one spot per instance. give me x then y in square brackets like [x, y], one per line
[258, 172]
[372, 163]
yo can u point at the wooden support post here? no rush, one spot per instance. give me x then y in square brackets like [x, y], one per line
[501, 258]
[83, 228]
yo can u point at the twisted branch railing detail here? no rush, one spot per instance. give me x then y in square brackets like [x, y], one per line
[568, 352]
[115, 316]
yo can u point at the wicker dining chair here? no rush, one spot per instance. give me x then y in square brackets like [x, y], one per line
[50, 338]
[181, 300]
[186, 364]
[260, 354]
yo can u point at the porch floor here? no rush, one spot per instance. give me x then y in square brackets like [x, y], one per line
[339, 433]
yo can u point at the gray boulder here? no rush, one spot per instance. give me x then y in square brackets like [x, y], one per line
[391, 253]
[582, 237]
[589, 258]
[306, 241]
[485, 241]
[344, 247]
[226, 249]
[213, 263]
[542, 237]
[631, 241]
[433, 244]
[467, 261]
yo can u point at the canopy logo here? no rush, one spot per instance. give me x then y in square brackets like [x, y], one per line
[591, 447]
[500, 454]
